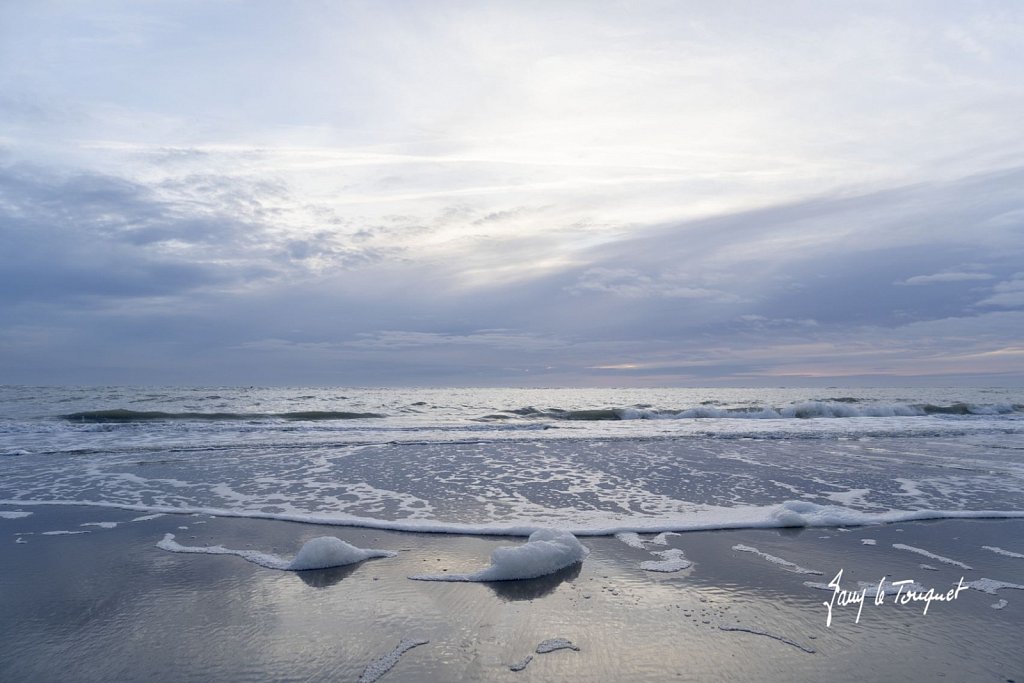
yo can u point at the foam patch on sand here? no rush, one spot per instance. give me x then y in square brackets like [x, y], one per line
[146, 518]
[990, 586]
[380, 666]
[317, 553]
[662, 538]
[785, 564]
[545, 552]
[999, 551]
[521, 664]
[544, 647]
[1000, 605]
[932, 556]
[13, 514]
[102, 525]
[632, 539]
[552, 644]
[672, 560]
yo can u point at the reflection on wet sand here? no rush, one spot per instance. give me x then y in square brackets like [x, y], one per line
[531, 589]
[324, 578]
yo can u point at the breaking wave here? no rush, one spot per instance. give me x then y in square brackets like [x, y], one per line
[833, 408]
[122, 415]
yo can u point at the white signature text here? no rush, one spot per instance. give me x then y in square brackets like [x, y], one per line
[906, 592]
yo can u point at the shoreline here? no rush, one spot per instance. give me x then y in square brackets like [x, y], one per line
[111, 605]
[792, 514]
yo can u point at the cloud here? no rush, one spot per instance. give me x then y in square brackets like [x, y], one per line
[81, 235]
[473, 193]
[509, 340]
[77, 234]
[659, 304]
[1007, 294]
[632, 284]
[938, 278]
[761, 322]
[953, 348]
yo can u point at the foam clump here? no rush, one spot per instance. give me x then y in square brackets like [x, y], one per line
[662, 538]
[552, 644]
[632, 539]
[933, 556]
[999, 551]
[521, 664]
[673, 560]
[328, 551]
[785, 564]
[990, 586]
[380, 666]
[545, 552]
[316, 553]
[801, 513]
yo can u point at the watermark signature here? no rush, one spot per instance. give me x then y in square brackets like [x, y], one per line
[902, 592]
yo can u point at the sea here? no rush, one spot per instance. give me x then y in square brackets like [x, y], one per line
[511, 461]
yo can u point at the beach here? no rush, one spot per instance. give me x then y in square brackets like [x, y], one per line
[110, 605]
[245, 534]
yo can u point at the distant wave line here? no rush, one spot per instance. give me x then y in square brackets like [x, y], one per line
[122, 415]
[840, 408]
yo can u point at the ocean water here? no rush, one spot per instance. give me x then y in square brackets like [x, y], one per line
[510, 461]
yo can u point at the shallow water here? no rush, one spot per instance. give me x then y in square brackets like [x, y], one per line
[510, 461]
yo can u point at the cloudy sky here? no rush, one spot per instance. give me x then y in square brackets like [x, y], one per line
[512, 193]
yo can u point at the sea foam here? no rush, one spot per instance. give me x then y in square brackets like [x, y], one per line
[545, 552]
[785, 564]
[782, 515]
[317, 553]
[380, 666]
[673, 560]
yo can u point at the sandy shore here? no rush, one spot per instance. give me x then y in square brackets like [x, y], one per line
[109, 605]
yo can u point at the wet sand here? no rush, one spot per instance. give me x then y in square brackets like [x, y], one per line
[109, 605]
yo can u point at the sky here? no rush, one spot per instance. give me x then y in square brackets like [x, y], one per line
[512, 193]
